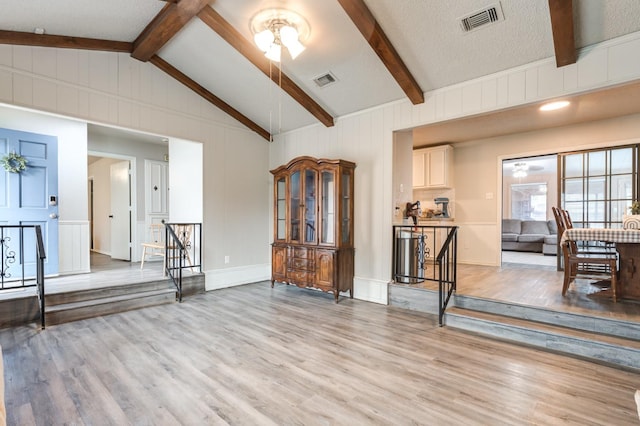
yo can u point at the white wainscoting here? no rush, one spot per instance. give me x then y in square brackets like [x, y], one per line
[230, 277]
[73, 243]
[371, 290]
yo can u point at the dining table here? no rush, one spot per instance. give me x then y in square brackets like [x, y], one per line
[627, 243]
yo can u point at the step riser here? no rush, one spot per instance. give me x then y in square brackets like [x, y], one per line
[79, 313]
[601, 325]
[99, 293]
[595, 351]
[426, 301]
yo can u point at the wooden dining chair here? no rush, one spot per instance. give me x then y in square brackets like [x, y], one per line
[574, 267]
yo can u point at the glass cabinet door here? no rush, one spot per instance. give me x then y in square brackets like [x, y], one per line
[327, 207]
[294, 206]
[345, 210]
[281, 209]
[310, 206]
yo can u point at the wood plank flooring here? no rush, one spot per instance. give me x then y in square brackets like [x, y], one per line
[253, 355]
[537, 286]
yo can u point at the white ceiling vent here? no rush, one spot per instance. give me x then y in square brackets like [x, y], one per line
[481, 18]
[325, 80]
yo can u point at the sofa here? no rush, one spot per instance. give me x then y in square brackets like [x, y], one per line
[540, 236]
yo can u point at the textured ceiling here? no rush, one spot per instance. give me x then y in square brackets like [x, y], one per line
[426, 34]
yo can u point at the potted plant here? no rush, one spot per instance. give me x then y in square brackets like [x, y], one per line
[632, 221]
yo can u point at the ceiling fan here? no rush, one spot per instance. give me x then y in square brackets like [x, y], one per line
[522, 168]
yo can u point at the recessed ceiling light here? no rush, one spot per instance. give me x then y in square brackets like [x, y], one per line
[554, 105]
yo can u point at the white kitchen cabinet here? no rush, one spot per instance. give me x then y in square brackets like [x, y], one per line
[433, 167]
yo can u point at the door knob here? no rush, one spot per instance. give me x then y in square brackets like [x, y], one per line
[53, 216]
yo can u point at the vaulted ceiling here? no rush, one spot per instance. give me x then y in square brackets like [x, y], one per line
[378, 50]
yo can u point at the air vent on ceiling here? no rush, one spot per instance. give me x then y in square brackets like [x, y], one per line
[325, 79]
[488, 15]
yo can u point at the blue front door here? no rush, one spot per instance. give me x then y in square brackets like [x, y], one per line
[30, 197]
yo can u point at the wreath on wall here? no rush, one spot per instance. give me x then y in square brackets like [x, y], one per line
[14, 163]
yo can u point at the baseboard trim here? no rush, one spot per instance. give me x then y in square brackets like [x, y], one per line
[230, 277]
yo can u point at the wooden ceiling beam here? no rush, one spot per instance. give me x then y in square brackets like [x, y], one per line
[225, 107]
[218, 24]
[171, 19]
[364, 20]
[64, 42]
[561, 12]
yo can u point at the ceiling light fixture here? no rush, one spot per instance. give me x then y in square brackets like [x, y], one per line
[274, 28]
[551, 106]
[520, 170]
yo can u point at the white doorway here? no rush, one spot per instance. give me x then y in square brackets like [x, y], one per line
[112, 206]
[120, 210]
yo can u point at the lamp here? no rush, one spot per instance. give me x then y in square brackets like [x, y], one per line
[275, 28]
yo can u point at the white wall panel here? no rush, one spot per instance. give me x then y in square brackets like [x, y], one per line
[550, 81]
[489, 95]
[45, 95]
[6, 55]
[128, 114]
[22, 59]
[623, 62]
[517, 88]
[83, 104]
[472, 98]
[83, 68]
[74, 244]
[6, 85]
[570, 78]
[502, 94]
[67, 65]
[452, 102]
[98, 107]
[23, 90]
[99, 70]
[592, 68]
[44, 62]
[531, 84]
[67, 98]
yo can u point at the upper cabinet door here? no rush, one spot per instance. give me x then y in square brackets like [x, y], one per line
[281, 208]
[310, 207]
[346, 207]
[433, 167]
[327, 207]
[294, 206]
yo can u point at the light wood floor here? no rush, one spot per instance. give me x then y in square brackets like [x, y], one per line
[538, 286]
[253, 355]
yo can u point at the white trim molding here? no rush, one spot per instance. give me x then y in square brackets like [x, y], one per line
[230, 277]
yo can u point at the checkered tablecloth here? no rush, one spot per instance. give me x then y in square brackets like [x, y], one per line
[598, 234]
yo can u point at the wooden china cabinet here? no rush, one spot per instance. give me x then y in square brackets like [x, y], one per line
[313, 224]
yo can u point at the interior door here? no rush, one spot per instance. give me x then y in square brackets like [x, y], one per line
[120, 211]
[30, 198]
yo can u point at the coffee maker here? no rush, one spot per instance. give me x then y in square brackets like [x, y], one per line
[443, 204]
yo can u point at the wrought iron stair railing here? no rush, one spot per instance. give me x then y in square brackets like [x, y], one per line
[22, 255]
[183, 250]
[427, 253]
